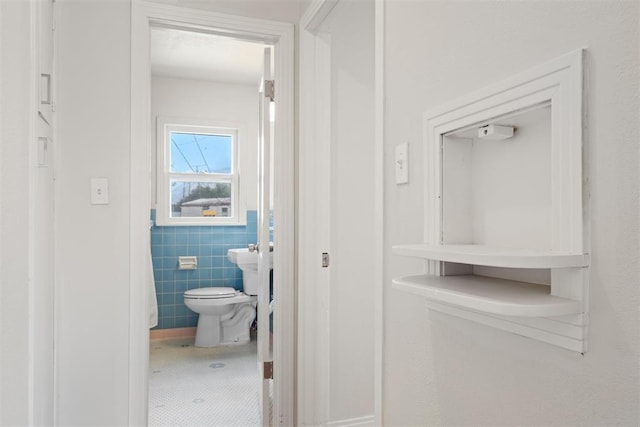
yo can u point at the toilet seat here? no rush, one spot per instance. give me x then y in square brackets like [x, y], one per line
[210, 293]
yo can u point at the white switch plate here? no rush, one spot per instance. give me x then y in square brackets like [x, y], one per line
[99, 191]
[402, 163]
[43, 148]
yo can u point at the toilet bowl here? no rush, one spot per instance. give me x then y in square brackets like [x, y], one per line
[224, 315]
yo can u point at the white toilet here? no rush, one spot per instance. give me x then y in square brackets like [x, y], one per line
[224, 314]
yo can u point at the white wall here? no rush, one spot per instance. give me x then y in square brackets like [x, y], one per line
[26, 221]
[441, 370]
[92, 248]
[93, 240]
[15, 115]
[222, 102]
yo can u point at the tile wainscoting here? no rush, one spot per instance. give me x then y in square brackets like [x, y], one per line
[210, 244]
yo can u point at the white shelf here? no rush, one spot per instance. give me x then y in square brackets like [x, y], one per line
[494, 257]
[521, 193]
[489, 295]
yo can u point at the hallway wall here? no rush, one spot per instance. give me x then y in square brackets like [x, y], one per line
[15, 261]
[94, 109]
[27, 164]
[441, 370]
[93, 240]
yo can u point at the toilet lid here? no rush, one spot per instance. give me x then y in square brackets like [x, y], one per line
[210, 293]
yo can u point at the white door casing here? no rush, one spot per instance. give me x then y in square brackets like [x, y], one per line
[264, 187]
[315, 210]
[281, 36]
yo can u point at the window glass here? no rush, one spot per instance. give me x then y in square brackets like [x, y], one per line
[200, 199]
[198, 153]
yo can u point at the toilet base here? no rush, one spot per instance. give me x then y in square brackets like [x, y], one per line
[208, 332]
[215, 330]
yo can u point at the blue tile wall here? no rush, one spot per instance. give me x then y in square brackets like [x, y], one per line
[210, 244]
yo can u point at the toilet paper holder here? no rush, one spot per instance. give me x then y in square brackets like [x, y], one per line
[187, 263]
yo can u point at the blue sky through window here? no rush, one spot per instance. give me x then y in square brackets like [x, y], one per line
[195, 153]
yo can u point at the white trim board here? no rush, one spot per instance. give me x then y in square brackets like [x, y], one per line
[313, 296]
[280, 35]
[313, 291]
[378, 212]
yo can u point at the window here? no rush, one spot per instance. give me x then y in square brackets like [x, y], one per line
[197, 173]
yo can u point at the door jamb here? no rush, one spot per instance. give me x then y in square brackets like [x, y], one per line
[313, 293]
[280, 35]
[313, 217]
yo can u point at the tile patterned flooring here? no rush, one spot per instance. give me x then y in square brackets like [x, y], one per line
[191, 386]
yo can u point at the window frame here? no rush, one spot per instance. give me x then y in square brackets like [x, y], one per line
[165, 127]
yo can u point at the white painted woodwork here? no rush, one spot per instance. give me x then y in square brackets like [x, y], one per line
[509, 203]
[43, 165]
[494, 256]
[349, 30]
[264, 211]
[280, 35]
[313, 216]
[341, 214]
[379, 235]
[490, 295]
[241, 144]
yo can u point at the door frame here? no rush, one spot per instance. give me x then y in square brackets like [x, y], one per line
[281, 36]
[314, 219]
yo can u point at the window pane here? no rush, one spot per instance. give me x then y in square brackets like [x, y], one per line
[200, 199]
[195, 153]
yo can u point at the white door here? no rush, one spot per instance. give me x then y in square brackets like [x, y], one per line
[338, 203]
[265, 360]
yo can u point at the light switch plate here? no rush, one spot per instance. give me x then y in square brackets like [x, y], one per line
[402, 163]
[43, 150]
[99, 191]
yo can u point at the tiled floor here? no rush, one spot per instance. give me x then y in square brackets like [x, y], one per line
[190, 386]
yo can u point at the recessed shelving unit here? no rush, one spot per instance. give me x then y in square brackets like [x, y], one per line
[504, 228]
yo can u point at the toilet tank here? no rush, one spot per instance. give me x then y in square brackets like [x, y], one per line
[250, 280]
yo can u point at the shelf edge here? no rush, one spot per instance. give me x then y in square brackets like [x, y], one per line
[489, 258]
[486, 304]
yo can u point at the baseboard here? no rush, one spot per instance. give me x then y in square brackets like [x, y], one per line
[368, 420]
[163, 334]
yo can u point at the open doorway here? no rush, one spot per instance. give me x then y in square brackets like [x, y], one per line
[205, 117]
[238, 214]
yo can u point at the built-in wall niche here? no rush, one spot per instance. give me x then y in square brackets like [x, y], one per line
[497, 191]
[504, 227]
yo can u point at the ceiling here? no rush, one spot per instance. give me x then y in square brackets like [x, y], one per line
[200, 56]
